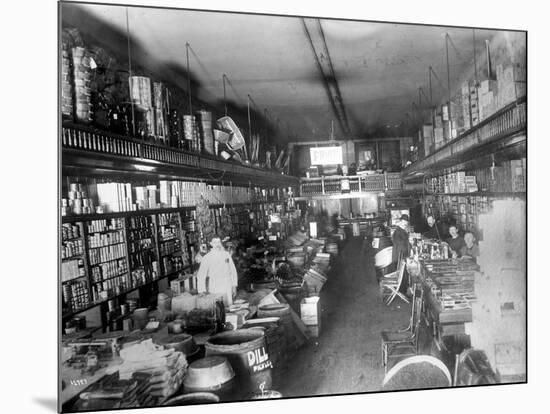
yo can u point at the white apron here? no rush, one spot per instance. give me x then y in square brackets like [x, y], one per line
[218, 267]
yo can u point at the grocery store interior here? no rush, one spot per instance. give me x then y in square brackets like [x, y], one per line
[261, 207]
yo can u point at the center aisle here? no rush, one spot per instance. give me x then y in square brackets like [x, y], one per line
[346, 358]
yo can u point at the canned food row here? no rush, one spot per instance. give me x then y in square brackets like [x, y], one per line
[104, 254]
[96, 240]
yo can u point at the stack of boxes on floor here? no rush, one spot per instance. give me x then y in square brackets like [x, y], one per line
[316, 271]
[475, 102]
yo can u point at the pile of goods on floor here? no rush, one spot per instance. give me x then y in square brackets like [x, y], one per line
[192, 343]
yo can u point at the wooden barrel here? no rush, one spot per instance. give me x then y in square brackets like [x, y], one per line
[274, 338]
[246, 350]
[282, 310]
[211, 374]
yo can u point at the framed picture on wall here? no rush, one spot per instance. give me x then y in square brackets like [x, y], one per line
[366, 156]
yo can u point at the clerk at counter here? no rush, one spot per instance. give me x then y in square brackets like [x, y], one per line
[455, 242]
[470, 250]
[432, 230]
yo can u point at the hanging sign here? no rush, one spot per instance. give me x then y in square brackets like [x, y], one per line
[326, 155]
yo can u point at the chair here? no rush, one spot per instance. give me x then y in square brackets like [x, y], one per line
[391, 283]
[404, 342]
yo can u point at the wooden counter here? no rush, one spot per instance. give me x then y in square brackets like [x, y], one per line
[444, 322]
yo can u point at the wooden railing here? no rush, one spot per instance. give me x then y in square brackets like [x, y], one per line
[332, 185]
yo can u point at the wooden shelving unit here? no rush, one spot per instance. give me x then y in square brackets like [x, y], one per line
[88, 217]
[492, 194]
[185, 232]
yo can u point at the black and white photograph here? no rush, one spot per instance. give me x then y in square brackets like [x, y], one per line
[263, 207]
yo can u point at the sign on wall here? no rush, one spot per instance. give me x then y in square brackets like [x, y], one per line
[326, 155]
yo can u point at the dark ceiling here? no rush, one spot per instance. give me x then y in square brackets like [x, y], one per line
[359, 79]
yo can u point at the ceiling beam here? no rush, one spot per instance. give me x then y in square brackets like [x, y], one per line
[328, 77]
[334, 81]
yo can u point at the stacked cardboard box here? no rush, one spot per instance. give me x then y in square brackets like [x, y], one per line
[428, 137]
[470, 183]
[447, 131]
[488, 90]
[465, 101]
[512, 84]
[310, 313]
[457, 116]
[115, 197]
[474, 104]
[439, 137]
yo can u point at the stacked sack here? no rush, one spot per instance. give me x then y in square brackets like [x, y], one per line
[166, 367]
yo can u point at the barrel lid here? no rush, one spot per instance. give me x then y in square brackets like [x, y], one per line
[208, 362]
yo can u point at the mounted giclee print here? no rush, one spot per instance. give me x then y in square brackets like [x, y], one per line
[261, 207]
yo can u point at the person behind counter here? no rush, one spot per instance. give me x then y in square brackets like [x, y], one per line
[401, 247]
[400, 239]
[455, 242]
[470, 250]
[432, 230]
[217, 273]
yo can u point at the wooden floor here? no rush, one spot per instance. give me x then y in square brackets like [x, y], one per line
[346, 358]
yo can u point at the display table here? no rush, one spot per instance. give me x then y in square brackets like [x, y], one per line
[76, 382]
[448, 294]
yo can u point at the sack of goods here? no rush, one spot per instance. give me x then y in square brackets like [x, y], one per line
[185, 302]
[314, 280]
[166, 367]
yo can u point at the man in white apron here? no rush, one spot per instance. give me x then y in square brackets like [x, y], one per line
[217, 273]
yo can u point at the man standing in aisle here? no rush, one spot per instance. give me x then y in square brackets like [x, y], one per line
[455, 242]
[400, 239]
[401, 247]
[217, 273]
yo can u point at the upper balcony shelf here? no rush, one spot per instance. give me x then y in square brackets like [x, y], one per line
[86, 150]
[503, 132]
